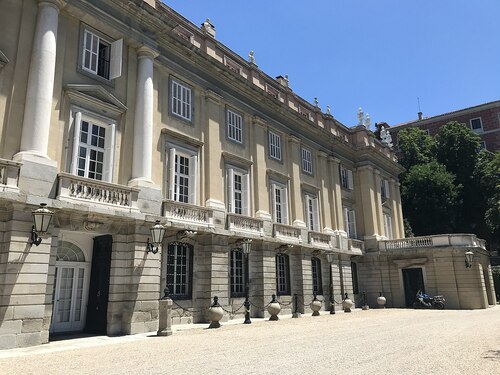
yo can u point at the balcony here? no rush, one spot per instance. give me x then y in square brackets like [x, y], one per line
[9, 174]
[318, 239]
[355, 245]
[287, 233]
[71, 187]
[459, 240]
[245, 224]
[188, 214]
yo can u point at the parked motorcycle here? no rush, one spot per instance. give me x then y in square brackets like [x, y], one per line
[424, 301]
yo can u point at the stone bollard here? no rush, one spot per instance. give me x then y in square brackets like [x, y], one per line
[381, 301]
[365, 305]
[274, 308]
[165, 315]
[347, 304]
[315, 306]
[215, 313]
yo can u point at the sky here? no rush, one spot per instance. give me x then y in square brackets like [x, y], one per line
[380, 55]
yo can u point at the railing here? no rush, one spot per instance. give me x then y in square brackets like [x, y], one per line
[355, 244]
[76, 187]
[9, 172]
[320, 239]
[188, 213]
[245, 224]
[287, 233]
[433, 241]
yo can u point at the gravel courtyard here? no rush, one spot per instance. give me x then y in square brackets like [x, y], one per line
[390, 341]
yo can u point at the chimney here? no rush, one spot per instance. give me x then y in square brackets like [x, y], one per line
[208, 28]
[420, 115]
[283, 81]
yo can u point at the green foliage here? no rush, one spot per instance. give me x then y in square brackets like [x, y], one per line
[488, 174]
[416, 147]
[429, 197]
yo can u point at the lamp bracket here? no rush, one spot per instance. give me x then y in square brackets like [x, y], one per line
[35, 238]
[151, 248]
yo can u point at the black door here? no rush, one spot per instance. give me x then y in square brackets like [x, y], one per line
[413, 280]
[97, 308]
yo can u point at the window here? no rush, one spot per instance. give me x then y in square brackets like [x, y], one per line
[282, 275]
[350, 223]
[232, 65]
[274, 146]
[346, 178]
[388, 226]
[181, 100]
[183, 174]
[312, 213]
[93, 147]
[272, 91]
[238, 191]
[316, 276]
[101, 57]
[307, 165]
[354, 275]
[279, 202]
[476, 125]
[234, 126]
[237, 270]
[179, 270]
[384, 189]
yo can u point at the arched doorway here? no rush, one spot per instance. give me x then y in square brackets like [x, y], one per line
[69, 297]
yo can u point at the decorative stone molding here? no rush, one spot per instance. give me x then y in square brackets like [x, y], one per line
[213, 97]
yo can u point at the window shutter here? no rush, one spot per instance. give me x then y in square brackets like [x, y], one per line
[352, 224]
[193, 185]
[245, 192]
[350, 180]
[115, 69]
[230, 189]
[77, 122]
[315, 214]
[109, 152]
[171, 173]
[284, 205]
[273, 202]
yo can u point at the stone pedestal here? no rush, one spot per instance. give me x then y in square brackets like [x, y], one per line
[165, 317]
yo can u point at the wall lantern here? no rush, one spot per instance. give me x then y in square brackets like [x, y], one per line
[41, 221]
[469, 256]
[157, 234]
[245, 244]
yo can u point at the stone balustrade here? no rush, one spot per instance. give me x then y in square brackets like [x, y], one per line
[319, 239]
[246, 224]
[188, 213]
[95, 191]
[9, 174]
[355, 245]
[461, 240]
[287, 233]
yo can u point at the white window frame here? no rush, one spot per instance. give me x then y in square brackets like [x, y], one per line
[346, 178]
[275, 146]
[92, 52]
[307, 160]
[234, 126]
[79, 116]
[175, 152]
[181, 100]
[350, 222]
[312, 212]
[388, 226]
[279, 197]
[233, 191]
[478, 130]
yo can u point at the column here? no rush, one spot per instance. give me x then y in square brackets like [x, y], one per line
[143, 120]
[261, 196]
[377, 181]
[324, 180]
[399, 206]
[38, 106]
[295, 189]
[336, 192]
[398, 231]
[368, 201]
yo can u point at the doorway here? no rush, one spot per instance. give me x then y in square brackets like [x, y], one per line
[413, 281]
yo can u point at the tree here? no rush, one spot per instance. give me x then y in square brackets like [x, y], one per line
[416, 147]
[429, 197]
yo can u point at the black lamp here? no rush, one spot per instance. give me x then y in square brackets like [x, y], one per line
[42, 217]
[157, 234]
[469, 256]
[330, 258]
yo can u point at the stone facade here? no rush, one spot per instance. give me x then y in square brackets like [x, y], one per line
[117, 114]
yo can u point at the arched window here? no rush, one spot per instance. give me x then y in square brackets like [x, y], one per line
[316, 276]
[69, 252]
[282, 274]
[180, 270]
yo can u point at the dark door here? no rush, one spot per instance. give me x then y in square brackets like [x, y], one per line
[413, 280]
[97, 308]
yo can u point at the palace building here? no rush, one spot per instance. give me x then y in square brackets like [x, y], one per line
[117, 114]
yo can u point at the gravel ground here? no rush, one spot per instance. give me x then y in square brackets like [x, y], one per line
[390, 341]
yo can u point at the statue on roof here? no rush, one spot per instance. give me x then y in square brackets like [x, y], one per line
[385, 137]
[328, 110]
[360, 116]
[316, 103]
[251, 57]
[368, 121]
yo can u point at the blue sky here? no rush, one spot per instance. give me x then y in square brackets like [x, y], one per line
[377, 54]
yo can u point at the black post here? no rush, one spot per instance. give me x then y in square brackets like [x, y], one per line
[296, 303]
[332, 296]
[247, 290]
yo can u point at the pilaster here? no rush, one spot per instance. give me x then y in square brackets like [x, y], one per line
[324, 183]
[295, 189]
[368, 201]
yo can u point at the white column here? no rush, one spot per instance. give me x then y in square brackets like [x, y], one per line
[37, 110]
[143, 121]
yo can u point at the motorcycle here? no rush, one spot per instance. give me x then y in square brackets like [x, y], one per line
[424, 301]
